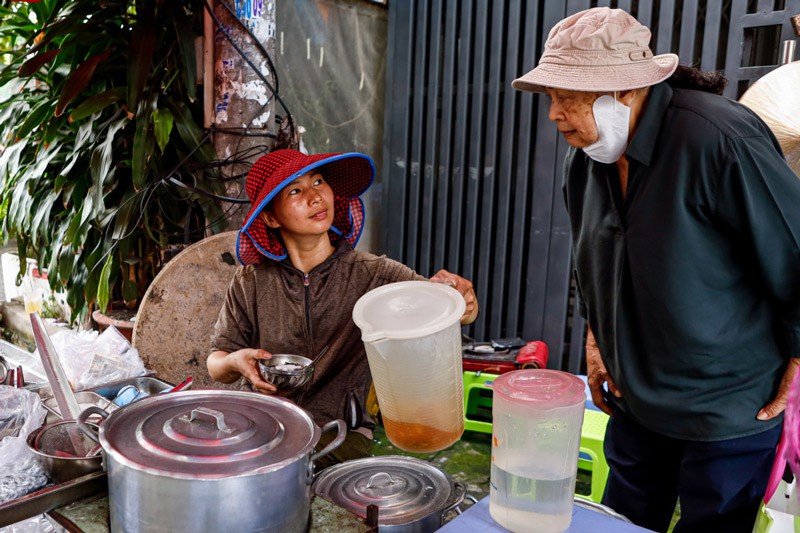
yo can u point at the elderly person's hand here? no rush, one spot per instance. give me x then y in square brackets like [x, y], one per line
[464, 286]
[597, 375]
[777, 406]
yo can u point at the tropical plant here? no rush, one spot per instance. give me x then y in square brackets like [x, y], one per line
[103, 165]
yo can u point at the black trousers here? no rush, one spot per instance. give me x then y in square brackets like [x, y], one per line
[720, 484]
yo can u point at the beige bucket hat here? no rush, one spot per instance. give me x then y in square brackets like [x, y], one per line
[598, 50]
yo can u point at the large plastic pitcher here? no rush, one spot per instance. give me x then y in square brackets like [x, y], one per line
[412, 335]
[536, 431]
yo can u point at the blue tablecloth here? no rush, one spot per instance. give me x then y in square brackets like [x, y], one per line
[477, 519]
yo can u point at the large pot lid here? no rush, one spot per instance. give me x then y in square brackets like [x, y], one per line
[207, 434]
[404, 489]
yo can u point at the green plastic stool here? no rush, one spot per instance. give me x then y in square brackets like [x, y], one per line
[593, 433]
[478, 401]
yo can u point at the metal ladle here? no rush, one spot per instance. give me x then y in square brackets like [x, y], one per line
[62, 391]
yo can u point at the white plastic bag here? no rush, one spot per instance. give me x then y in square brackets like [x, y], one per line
[91, 359]
[20, 473]
[781, 514]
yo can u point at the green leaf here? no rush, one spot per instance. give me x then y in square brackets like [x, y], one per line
[143, 143]
[38, 115]
[72, 229]
[9, 160]
[75, 298]
[75, 291]
[103, 288]
[140, 53]
[126, 216]
[66, 262]
[130, 292]
[189, 131]
[84, 134]
[96, 103]
[51, 130]
[22, 253]
[64, 171]
[79, 80]
[42, 210]
[162, 120]
[183, 30]
[101, 164]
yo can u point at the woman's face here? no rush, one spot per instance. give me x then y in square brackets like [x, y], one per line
[572, 113]
[304, 207]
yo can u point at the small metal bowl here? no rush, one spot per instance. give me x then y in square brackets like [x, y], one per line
[286, 371]
[63, 450]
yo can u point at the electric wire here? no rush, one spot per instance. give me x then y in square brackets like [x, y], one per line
[249, 62]
[178, 179]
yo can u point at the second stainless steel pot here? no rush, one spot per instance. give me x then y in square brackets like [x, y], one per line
[207, 461]
[398, 494]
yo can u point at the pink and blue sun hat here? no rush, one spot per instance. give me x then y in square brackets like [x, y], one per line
[348, 174]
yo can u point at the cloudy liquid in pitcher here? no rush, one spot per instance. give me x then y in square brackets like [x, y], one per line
[518, 502]
[419, 438]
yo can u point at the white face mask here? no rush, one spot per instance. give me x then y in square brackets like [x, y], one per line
[612, 118]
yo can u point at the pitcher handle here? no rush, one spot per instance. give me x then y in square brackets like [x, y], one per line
[84, 416]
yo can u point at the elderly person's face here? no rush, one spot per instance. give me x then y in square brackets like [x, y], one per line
[572, 113]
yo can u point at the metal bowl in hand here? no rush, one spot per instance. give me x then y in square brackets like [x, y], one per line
[286, 371]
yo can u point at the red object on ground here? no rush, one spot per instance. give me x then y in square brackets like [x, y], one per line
[493, 367]
[534, 354]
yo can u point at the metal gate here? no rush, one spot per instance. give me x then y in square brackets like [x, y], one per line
[472, 168]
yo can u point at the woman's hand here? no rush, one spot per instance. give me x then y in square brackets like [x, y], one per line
[464, 286]
[597, 375]
[228, 367]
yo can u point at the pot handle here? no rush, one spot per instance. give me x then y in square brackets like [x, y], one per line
[341, 434]
[461, 489]
[84, 416]
[211, 415]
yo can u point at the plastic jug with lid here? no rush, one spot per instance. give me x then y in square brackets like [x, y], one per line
[536, 430]
[412, 335]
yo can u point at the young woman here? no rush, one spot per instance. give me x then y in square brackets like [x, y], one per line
[300, 280]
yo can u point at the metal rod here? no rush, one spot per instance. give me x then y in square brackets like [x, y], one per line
[787, 51]
[208, 67]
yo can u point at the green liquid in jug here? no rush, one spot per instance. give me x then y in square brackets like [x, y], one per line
[521, 502]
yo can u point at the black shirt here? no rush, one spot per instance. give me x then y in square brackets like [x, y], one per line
[692, 284]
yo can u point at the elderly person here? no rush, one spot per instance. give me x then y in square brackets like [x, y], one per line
[685, 223]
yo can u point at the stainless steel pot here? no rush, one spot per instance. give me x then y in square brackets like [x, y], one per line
[210, 461]
[398, 494]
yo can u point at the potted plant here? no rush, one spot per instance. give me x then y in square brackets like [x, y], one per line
[104, 166]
